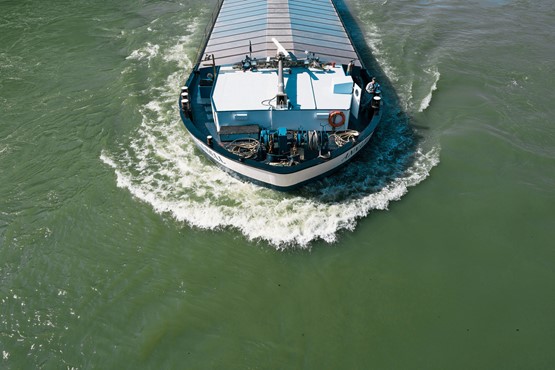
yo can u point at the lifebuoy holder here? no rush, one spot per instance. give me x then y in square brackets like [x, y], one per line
[332, 121]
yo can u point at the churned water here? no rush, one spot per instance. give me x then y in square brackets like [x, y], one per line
[121, 246]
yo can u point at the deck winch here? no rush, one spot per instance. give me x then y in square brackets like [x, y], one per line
[283, 142]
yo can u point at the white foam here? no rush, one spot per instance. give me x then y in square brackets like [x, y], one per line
[4, 149]
[108, 160]
[147, 52]
[428, 98]
[373, 37]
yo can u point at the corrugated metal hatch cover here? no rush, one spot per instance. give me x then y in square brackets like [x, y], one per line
[299, 25]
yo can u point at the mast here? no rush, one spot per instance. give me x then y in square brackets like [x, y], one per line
[281, 97]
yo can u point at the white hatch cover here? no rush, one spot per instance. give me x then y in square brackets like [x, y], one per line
[307, 89]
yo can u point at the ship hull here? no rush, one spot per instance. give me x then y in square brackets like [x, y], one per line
[280, 181]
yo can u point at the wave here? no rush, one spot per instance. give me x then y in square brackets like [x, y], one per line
[147, 52]
[373, 38]
[191, 190]
[428, 98]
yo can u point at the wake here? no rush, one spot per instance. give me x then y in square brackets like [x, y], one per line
[161, 167]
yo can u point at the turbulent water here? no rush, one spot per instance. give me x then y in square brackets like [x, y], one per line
[121, 246]
[159, 165]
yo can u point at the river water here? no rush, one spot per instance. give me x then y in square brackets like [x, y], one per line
[121, 247]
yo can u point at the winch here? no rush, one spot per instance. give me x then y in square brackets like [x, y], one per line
[283, 142]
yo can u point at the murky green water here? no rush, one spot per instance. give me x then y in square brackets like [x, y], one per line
[121, 247]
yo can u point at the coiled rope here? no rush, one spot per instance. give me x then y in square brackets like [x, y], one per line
[246, 148]
[343, 137]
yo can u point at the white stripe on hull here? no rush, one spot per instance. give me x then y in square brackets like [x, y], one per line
[279, 179]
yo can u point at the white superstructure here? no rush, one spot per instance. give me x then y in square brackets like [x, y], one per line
[248, 97]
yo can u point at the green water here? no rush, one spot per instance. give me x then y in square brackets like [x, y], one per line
[121, 247]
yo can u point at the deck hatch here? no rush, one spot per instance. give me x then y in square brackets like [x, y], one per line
[299, 25]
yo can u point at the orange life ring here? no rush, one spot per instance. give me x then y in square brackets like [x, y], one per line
[331, 119]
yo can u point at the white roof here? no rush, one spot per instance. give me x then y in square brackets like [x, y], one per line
[307, 89]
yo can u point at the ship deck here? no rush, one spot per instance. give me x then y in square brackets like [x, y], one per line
[236, 90]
